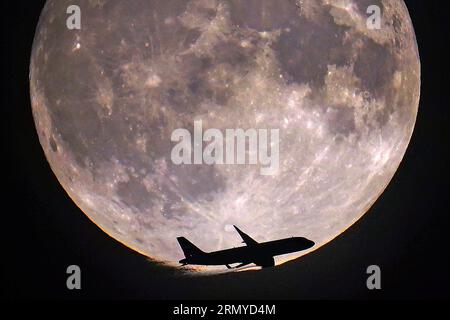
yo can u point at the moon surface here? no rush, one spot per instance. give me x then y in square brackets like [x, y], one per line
[106, 99]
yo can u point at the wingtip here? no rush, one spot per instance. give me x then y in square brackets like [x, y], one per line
[238, 230]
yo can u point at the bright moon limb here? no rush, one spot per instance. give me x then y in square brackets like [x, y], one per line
[342, 90]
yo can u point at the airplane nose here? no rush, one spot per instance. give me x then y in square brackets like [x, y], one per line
[310, 243]
[305, 243]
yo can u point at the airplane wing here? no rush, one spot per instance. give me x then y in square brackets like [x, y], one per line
[247, 239]
[238, 266]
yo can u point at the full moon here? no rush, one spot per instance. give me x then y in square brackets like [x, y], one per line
[339, 80]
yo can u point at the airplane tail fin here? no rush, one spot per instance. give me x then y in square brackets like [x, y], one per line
[189, 249]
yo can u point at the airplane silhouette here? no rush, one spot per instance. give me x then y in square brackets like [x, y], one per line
[261, 254]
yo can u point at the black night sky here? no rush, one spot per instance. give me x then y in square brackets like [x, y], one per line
[406, 232]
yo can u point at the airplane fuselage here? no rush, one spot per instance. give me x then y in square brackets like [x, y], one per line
[261, 253]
